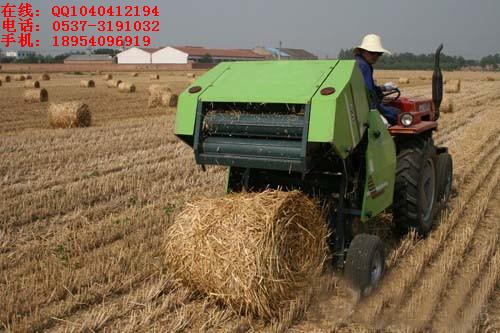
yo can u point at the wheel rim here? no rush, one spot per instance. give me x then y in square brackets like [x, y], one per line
[428, 190]
[376, 269]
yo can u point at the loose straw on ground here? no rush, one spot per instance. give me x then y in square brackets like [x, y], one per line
[254, 252]
[69, 115]
[36, 95]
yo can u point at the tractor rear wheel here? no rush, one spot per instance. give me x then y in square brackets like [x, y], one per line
[415, 191]
[365, 263]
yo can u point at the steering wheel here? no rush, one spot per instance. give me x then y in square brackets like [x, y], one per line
[387, 97]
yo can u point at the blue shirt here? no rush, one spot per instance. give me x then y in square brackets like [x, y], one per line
[367, 70]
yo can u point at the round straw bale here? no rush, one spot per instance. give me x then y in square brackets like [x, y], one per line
[126, 87]
[45, 77]
[161, 96]
[154, 77]
[69, 115]
[113, 83]
[452, 86]
[447, 105]
[19, 78]
[5, 78]
[490, 78]
[31, 84]
[107, 77]
[190, 75]
[255, 252]
[29, 77]
[404, 80]
[87, 84]
[135, 74]
[36, 95]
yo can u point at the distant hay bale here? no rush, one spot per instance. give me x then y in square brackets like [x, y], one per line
[36, 96]
[190, 75]
[126, 87]
[0, 83]
[107, 77]
[87, 84]
[135, 74]
[45, 77]
[154, 77]
[5, 78]
[69, 115]
[404, 80]
[31, 84]
[161, 96]
[447, 105]
[19, 78]
[113, 83]
[452, 86]
[490, 78]
[254, 252]
[28, 77]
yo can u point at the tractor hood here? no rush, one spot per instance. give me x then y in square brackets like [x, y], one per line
[268, 82]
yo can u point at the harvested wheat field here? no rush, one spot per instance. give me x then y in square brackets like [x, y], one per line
[85, 213]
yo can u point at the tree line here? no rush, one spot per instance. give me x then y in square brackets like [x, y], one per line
[408, 60]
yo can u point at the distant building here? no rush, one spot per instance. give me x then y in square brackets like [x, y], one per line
[285, 53]
[136, 55]
[18, 54]
[184, 55]
[89, 59]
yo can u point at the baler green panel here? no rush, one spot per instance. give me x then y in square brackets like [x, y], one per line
[339, 118]
[380, 168]
[187, 104]
[293, 82]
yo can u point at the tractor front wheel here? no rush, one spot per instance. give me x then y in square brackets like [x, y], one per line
[415, 191]
[365, 263]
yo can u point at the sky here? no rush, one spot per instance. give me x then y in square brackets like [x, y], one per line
[468, 28]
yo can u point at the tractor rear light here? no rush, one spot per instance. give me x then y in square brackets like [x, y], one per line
[407, 119]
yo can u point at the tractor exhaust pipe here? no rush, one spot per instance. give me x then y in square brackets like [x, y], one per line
[437, 82]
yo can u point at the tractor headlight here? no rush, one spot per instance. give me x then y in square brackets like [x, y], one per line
[407, 119]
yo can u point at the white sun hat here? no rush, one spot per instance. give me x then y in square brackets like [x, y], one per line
[373, 43]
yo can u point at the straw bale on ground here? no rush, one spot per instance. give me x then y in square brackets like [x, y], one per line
[135, 74]
[87, 84]
[452, 86]
[154, 77]
[45, 77]
[36, 95]
[161, 96]
[0, 83]
[28, 77]
[69, 115]
[254, 252]
[404, 80]
[490, 78]
[447, 105]
[191, 75]
[31, 84]
[126, 87]
[5, 78]
[107, 77]
[113, 83]
[19, 78]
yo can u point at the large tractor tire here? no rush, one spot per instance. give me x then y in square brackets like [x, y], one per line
[365, 263]
[415, 191]
[444, 177]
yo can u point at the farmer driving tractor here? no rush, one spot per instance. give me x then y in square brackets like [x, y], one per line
[367, 55]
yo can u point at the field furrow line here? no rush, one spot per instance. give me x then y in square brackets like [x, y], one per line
[419, 307]
[471, 269]
[400, 279]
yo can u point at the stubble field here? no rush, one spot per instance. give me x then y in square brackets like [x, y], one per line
[83, 213]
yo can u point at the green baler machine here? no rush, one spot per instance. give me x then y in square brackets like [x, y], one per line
[302, 125]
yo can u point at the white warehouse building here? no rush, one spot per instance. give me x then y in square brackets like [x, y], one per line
[183, 55]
